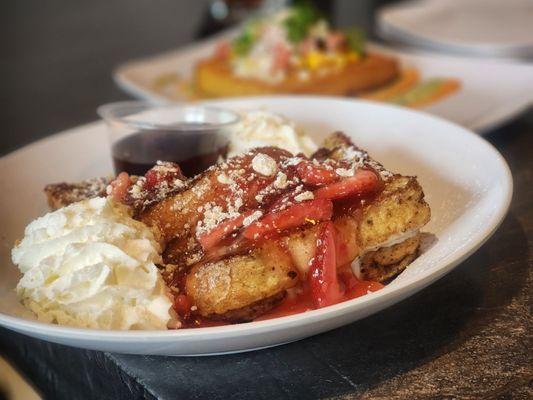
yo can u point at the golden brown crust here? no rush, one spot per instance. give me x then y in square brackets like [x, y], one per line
[214, 78]
[222, 287]
[252, 311]
[173, 213]
[387, 262]
[399, 208]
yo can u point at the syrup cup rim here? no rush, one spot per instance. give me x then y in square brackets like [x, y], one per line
[201, 117]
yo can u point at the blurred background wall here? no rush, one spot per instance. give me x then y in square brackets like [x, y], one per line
[58, 56]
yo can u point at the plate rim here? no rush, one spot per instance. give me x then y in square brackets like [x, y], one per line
[508, 53]
[388, 27]
[402, 290]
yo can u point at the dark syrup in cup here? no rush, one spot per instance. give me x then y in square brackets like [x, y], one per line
[138, 152]
[194, 137]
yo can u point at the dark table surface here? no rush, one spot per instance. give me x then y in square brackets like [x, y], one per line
[469, 335]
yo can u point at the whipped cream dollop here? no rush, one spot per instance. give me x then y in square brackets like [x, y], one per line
[260, 128]
[92, 265]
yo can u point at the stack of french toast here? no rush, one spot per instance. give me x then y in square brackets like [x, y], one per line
[258, 227]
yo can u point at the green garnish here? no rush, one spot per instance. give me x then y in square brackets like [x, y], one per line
[420, 92]
[243, 43]
[356, 39]
[302, 16]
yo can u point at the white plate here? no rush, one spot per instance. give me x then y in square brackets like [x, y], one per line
[467, 184]
[492, 28]
[492, 92]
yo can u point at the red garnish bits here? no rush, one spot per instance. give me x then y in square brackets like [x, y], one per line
[297, 215]
[362, 183]
[182, 305]
[163, 173]
[160, 181]
[118, 188]
[316, 175]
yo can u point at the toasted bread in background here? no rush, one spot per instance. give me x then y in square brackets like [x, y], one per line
[215, 78]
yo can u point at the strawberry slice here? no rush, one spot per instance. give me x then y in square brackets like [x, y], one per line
[222, 50]
[296, 215]
[315, 175]
[119, 186]
[363, 182]
[282, 57]
[182, 305]
[283, 201]
[322, 276]
[210, 239]
[163, 171]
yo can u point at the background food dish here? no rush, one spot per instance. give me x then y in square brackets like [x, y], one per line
[293, 50]
[466, 181]
[484, 101]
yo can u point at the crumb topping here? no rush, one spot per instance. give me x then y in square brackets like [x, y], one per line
[254, 217]
[307, 195]
[223, 178]
[359, 159]
[281, 181]
[264, 164]
[344, 172]
[213, 215]
[162, 180]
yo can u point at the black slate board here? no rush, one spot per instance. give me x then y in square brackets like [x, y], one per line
[467, 336]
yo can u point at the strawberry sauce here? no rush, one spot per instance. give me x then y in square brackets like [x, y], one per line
[303, 301]
[295, 303]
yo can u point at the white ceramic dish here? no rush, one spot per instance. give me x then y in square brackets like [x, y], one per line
[489, 28]
[467, 184]
[491, 92]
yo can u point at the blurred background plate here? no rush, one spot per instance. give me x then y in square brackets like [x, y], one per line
[491, 92]
[491, 28]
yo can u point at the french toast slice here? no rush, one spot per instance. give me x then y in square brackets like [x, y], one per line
[214, 78]
[388, 232]
[242, 287]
